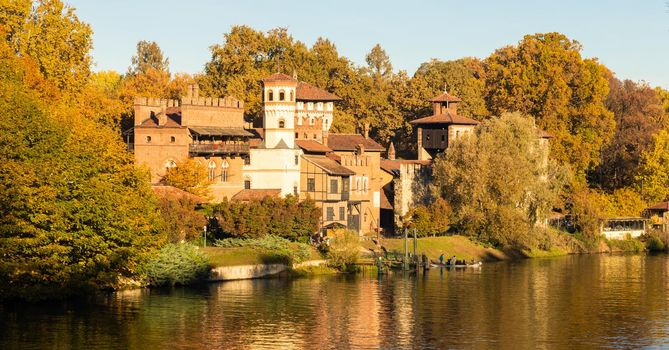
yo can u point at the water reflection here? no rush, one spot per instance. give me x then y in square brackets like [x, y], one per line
[575, 302]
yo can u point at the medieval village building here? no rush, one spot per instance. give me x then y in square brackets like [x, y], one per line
[294, 153]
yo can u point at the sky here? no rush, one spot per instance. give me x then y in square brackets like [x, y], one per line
[630, 37]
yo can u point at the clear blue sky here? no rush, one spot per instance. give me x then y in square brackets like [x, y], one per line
[630, 37]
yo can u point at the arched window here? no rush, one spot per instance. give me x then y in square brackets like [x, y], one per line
[365, 184]
[282, 124]
[358, 183]
[148, 139]
[282, 95]
[312, 121]
[212, 171]
[315, 136]
[297, 135]
[224, 171]
[270, 95]
[173, 139]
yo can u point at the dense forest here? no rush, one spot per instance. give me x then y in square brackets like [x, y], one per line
[76, 211]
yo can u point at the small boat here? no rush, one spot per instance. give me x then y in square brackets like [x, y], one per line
[476, 264]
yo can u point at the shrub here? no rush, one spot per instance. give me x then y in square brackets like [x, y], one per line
[280, 248]
[626, 245]
[657, 241]
[344, 248]
[180, 220]
[177, 264]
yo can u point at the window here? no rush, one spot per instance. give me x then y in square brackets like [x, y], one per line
[311, 185]
[297, 160]
[148, 139]
[282, 95]
[443, 138]
[344, 185]
[342, 213]
[315, 136]
[312, 121]
[306, 136]
[310, 105]
[364, 184]
[224, 171]
[334, 186]
[295, 190]
[247, 184]
[297, 135]
[330, 214]
[211, 171]
[173, 139]
[282, 124]
[457, 134]
[270, 95]
[247, 161]
[291, 95]
[427, 137]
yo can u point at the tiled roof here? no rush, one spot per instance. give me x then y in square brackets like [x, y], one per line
[349, 142]
[446, 118]
[246, 195]
[446, 97]
[278, 77]
[173, 119]
[313, 146]
[162, 191]
[544, 135]
[308, 92]
[214, 130]
[385, 203]
[328, 165]
[393, 166]
[659, 206]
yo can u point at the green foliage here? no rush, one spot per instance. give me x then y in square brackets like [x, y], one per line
[430, 220]
[626, 245]
[344, 248]
[656, 243]
[76, 213]
[180, 221]
[544, 76]
[288, 252]
[149, 56]
[499, 181]
[282, 217]
[180, 263]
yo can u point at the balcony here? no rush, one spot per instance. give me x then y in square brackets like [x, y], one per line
[217, 149]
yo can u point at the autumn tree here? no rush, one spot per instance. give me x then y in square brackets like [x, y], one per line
[653, 178]
[188, 175]
[639, 115]
[148, 56]
[498, 182]
[544, 76]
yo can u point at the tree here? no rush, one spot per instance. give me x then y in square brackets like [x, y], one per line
[544, 76]
[188, 175]
[75, 212]
[498, 181]
[180, 220]
[379, 64]
[149, 56]
[653, 178]
[430, 220]
[639, 115]
[52, 35]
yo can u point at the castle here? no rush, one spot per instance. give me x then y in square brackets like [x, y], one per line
[294, 152]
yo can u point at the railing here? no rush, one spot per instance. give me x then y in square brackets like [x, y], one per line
[218, 148]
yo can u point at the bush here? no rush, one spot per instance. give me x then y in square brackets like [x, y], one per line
[280, 248]
[344, 248]
[282, 217]
[657, 241]
[177, 264]
[626, 245]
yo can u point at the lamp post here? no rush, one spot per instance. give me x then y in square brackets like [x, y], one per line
[205, 236]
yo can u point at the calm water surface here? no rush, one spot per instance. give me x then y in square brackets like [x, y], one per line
[584, 302]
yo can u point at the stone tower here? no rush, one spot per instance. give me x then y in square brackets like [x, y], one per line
[279, 110]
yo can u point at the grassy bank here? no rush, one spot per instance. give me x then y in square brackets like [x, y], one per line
[235, 256]
[460, 246]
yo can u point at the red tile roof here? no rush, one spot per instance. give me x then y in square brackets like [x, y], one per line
[385, 203]
[313, 146]
[173, 119]
[349, 142]
[328, 165]
[446, 97]
[278, 77]
[308, 92]
[163, 191]
[659, 206]
[246, 195]
[446, 118]
[544, 135]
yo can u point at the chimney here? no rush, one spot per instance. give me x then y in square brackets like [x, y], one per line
[360, 149]
[325, 137]
[391, 152]
[294, 74]
[365, 129]
[196, 91]
[162, 117]
[453, 108]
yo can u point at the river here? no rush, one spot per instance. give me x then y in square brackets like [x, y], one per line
[590, 301]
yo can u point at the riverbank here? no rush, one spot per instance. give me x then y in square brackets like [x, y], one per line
[459, 246]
